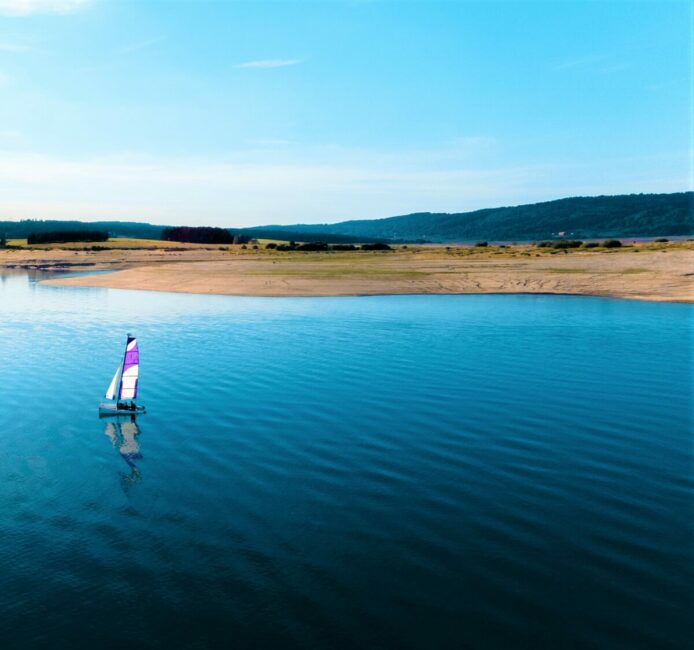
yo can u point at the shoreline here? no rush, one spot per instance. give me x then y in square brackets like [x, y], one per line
[608, 296]
[662, 273]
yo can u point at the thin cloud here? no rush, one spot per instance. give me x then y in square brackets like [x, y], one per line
[236, 191]
[29, 7]
[142, 45]
[14, 48]
[597, 63]
[270, 142]
[614, 67]
[581, 62]
[269, 63]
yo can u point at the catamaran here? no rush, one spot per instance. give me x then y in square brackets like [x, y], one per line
[123, 386]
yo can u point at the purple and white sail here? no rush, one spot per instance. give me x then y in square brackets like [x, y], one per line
[131, 370]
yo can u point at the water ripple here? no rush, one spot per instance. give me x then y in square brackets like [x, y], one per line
[412, 471]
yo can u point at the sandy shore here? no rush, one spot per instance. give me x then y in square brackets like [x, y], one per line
[646, 272]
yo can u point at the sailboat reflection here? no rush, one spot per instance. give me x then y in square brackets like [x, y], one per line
[123, 435]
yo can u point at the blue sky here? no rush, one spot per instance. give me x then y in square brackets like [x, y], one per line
[241, 113]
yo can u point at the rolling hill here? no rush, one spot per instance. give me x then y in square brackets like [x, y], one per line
[629, 215]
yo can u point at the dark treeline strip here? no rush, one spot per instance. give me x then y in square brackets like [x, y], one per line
[575, 243]
[65, 236]
[203, 235]
[278, 233]
[324, 246]
[21, 229]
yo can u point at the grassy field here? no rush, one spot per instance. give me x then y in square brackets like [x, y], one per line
[433, 250]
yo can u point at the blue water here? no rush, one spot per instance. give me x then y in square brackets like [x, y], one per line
[387, 472]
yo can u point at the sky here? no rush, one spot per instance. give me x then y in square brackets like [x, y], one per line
[245, 113]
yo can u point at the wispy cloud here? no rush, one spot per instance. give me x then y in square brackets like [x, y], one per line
[596, 62]
[29, 7]
[247, 190]
[14, 48]
[10, 135]
[611, 68]
[142, 45]
[578, 62]
[270, 142]
[269, 63]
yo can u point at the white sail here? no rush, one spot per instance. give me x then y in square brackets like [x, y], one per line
[131, 370]
[111, 392]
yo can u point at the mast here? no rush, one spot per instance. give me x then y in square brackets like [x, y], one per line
[122, 368]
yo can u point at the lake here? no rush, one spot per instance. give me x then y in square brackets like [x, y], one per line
[478, 472]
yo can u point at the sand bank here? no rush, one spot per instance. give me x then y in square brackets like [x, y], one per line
[662, 273]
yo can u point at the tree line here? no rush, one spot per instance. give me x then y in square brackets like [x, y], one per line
[203, 235]
[65, 236]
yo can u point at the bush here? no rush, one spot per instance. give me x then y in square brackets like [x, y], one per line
[344, 247]
[482, 243]
[591, 244]
[198, 235]
[566, 243]
[271, 246]
[378, 246]
[313, 246]
[255, 247]
[612, 243]
[661, 240]
[244, 247]
[560, 243]
[286, 247]
[64, 236]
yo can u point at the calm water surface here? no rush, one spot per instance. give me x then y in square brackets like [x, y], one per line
[386, 472]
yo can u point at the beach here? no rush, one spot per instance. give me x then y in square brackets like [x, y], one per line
[658, 272]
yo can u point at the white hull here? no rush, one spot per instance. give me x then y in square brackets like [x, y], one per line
[112, 409]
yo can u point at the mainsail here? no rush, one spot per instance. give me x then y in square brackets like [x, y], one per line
[131, 369]
[111, 392]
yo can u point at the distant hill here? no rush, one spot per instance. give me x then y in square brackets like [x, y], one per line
[586, 217]
[630, 215]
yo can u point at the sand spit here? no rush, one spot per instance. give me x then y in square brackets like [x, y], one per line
[648, 272]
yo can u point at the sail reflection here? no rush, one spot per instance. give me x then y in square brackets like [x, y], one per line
[123, 434]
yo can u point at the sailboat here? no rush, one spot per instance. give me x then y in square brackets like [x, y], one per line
[123, 386]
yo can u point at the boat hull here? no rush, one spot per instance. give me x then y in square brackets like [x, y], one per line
[112, 409]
